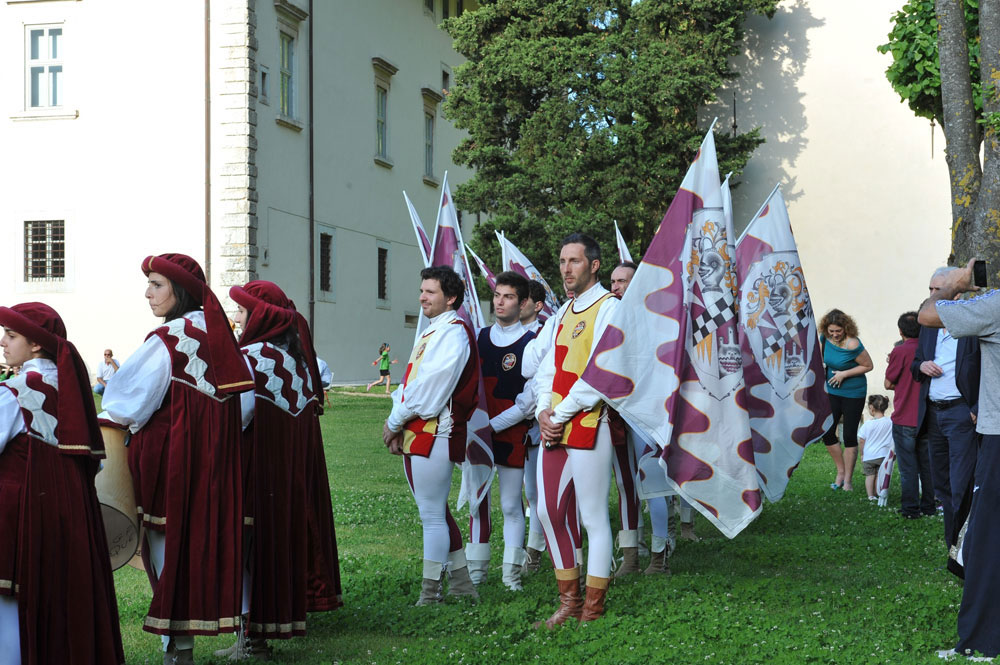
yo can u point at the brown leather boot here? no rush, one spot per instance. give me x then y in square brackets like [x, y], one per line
[630, 562]
[659, 563]
[533, 561]
[593, 606]
[570, 602]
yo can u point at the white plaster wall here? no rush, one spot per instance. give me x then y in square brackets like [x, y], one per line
[124, 175]
[867, 196]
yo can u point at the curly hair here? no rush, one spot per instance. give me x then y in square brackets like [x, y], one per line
[837, 318]
[451, 283]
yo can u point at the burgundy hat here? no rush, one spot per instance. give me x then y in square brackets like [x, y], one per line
[77, 430]
[227, 370]
[269, 314]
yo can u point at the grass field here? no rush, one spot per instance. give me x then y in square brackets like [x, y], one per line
[820, 577]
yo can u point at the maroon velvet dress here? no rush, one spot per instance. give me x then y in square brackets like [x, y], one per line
[185, 464]
[54, 555]
[292, 555]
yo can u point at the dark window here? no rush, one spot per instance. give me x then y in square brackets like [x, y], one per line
[459, 7]
[445, 8]
[383, 273]
[429, 5]
[44, 250]
[428, 144]
[325, 262]
[445, 81]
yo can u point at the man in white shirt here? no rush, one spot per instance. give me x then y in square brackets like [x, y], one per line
[427, 425]
[105, 370]
[576, 454]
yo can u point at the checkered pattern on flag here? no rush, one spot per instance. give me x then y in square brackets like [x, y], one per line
[686, 392]
[788, 404]
[449, 250]
[718, 313]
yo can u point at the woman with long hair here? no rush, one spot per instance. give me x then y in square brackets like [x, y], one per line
[175, 395]
[846, 362]
[290, 547]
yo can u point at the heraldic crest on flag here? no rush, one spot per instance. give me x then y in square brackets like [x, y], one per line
[787, 400]
[778, 318]
[713, 346]
[670, 361]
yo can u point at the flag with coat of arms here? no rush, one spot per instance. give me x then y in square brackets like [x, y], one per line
[786, 396]
[670, 358]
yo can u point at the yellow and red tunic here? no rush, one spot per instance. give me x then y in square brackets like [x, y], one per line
[574, 339]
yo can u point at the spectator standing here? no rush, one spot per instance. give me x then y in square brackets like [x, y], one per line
[979, 613]
[105, 370]
[846, 362]
[948, 371]
[875, 441]
[917, 493]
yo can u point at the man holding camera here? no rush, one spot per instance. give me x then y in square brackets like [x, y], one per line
[979, 613]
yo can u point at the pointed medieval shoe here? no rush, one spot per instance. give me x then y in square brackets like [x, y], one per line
[513, 563]
[532, 560]
[659, 564]
[570, 602]
[593, 606]
[459, 582]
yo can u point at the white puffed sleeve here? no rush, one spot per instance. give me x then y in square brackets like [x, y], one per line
[137, 389]
[426, 394]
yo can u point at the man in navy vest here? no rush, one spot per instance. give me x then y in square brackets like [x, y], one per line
[510, 402]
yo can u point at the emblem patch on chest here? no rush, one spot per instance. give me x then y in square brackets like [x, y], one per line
[508, 362]
[578, 330]
[420, 351]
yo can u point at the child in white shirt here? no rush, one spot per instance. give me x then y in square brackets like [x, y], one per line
[875, 440]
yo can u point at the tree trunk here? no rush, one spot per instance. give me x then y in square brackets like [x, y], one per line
[984, 234]
[959, 123]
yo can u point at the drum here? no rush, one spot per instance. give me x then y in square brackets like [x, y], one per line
[114, 491]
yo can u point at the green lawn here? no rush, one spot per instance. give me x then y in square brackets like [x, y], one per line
[821, 577]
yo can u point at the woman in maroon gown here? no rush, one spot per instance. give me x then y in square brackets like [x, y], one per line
[290, 544]
[176, 395]
[57, 595]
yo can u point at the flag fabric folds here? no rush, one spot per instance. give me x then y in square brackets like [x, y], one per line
[423, 242]
[783, 366]
[449, 250]
[515, 260]
[885, 477]
[624, 256]
[491, 279]
[670, 358]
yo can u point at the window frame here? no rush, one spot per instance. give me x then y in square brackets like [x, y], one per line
[321, 293]
[48, 243]
[431, 99]
[384, 71]
[383, 279]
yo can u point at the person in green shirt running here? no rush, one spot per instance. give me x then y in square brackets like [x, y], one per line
[383, 363]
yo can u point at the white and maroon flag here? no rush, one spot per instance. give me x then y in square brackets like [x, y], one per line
[491, 279]
[624, 256]
[884, 477]
[515, 260]
[783, 368]
[670, 357]
[449, 250]
[423, 242]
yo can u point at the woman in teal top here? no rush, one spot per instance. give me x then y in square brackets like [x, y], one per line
[846, 362]
[383, 363]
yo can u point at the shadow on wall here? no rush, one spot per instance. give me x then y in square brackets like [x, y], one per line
[775, 53]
